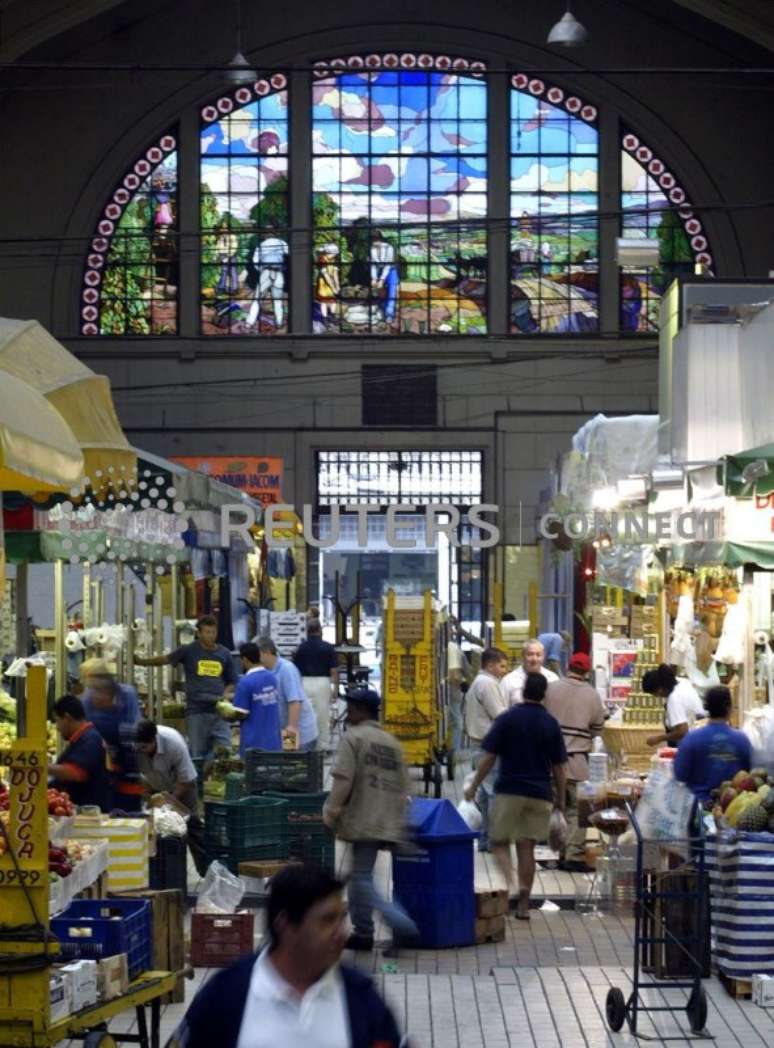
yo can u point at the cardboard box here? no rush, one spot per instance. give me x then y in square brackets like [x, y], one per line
[491, 904]
[83, 983]
[763, 990]
[490, 929]
[112, 976]
[60, 996]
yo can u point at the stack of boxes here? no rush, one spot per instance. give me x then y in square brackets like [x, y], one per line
[84, 983]
[491, 911]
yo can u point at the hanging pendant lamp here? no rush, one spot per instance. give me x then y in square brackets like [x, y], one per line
[568, 31]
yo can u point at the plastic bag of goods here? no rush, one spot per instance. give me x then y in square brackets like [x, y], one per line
[471, 814]
[557, 831]
[221, 890]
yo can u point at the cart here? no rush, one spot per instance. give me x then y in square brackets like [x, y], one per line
[412, 696]
[650, 931]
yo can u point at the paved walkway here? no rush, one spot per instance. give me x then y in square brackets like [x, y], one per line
[543, 987]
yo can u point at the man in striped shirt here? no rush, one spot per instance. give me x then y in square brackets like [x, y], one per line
[581, 715]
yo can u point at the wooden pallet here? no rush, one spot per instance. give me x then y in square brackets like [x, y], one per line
[738, 988]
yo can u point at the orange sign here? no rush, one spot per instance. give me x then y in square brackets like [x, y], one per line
[261, 478]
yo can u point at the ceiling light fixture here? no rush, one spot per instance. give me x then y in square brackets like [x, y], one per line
[239, 72]
[568, 31]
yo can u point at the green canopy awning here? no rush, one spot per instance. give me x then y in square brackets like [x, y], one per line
[722, 554]
[749, 473]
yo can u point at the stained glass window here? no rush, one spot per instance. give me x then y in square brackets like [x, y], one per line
[130, 283]
[399, 196]
[654, 205]
[244, 211]
[554, 262]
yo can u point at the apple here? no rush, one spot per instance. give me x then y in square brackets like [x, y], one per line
[727, 796]
[739, 778]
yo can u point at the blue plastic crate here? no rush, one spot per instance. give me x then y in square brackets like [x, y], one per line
[98, 928]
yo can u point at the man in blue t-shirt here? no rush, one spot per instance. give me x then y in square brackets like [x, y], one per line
[257, 699]
[529, 744]
[710, 755]
[296, 711]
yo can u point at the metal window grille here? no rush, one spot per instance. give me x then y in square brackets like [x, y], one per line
[389, 477]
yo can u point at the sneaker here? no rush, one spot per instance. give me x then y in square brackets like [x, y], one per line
[360, 942]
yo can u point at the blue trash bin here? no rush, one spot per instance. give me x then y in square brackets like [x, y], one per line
[435, 883]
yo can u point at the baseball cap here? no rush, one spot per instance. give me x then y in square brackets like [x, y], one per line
[579, 663]
[366, 696]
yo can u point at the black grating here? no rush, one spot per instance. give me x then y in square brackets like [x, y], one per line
[399, 395]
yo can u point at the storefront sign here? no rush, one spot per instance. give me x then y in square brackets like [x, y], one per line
[259, 477]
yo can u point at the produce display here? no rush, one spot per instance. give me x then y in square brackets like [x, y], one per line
[59, 803]
[228, 711]
[8, 734]
[745, 802]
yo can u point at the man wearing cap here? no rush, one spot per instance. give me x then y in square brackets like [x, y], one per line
[581, 715]
[367, 807]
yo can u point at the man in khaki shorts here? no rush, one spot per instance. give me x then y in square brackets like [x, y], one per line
[529, 744]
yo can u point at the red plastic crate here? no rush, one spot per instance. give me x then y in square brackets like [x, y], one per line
[219, 939]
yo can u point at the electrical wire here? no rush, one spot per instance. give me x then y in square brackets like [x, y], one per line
[18, 964]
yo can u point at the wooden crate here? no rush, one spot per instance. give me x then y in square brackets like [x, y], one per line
[491, 904]
[167, 910]
[490, 929]
[738, 988]
[679, 916]
[260, 868]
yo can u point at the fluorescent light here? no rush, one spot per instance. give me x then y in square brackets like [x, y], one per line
[605, 498]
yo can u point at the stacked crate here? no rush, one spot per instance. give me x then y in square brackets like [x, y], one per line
[309, 839]
[251, 828]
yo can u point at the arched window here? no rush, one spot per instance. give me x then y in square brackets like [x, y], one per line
[554, 263]
[130, 281]
[399, 184]
[244, 211]
[400, 172]
[655, 205]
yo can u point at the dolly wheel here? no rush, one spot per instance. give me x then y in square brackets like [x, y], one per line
[99, 1039]
[696, 1009]
[615, 1009]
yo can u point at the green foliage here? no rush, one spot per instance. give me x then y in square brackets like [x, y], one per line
[674, 250]
[123, 311]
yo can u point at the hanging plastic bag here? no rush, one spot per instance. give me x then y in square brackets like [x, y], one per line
[557, 831]
[471, 814]
[665, 808]
[221, 891]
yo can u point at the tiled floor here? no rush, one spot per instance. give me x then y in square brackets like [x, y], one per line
[543, 987]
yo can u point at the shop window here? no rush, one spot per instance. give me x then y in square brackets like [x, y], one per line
[130, 283]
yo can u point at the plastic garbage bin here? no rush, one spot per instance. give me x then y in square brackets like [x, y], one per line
[434, 881]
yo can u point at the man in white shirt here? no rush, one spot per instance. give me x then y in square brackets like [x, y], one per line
[484, 702]
[295, 994]
[269, 260]
[532, 656]
[385, 274]
[682, 707]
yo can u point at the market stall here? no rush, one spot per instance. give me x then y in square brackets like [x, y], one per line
[44, 1004]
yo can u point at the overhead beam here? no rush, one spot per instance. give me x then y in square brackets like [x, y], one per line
[751, 18]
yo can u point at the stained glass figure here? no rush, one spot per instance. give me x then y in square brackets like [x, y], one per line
[244, 211]
[554, 260]
[399, 196]
[130, 285]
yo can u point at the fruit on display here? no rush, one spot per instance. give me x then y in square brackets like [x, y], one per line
[729, 794]
[7, 735]
[227, 710]
[58, 862]
[59, 803]
[7, 707]
[754, 819]
[745, 800]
